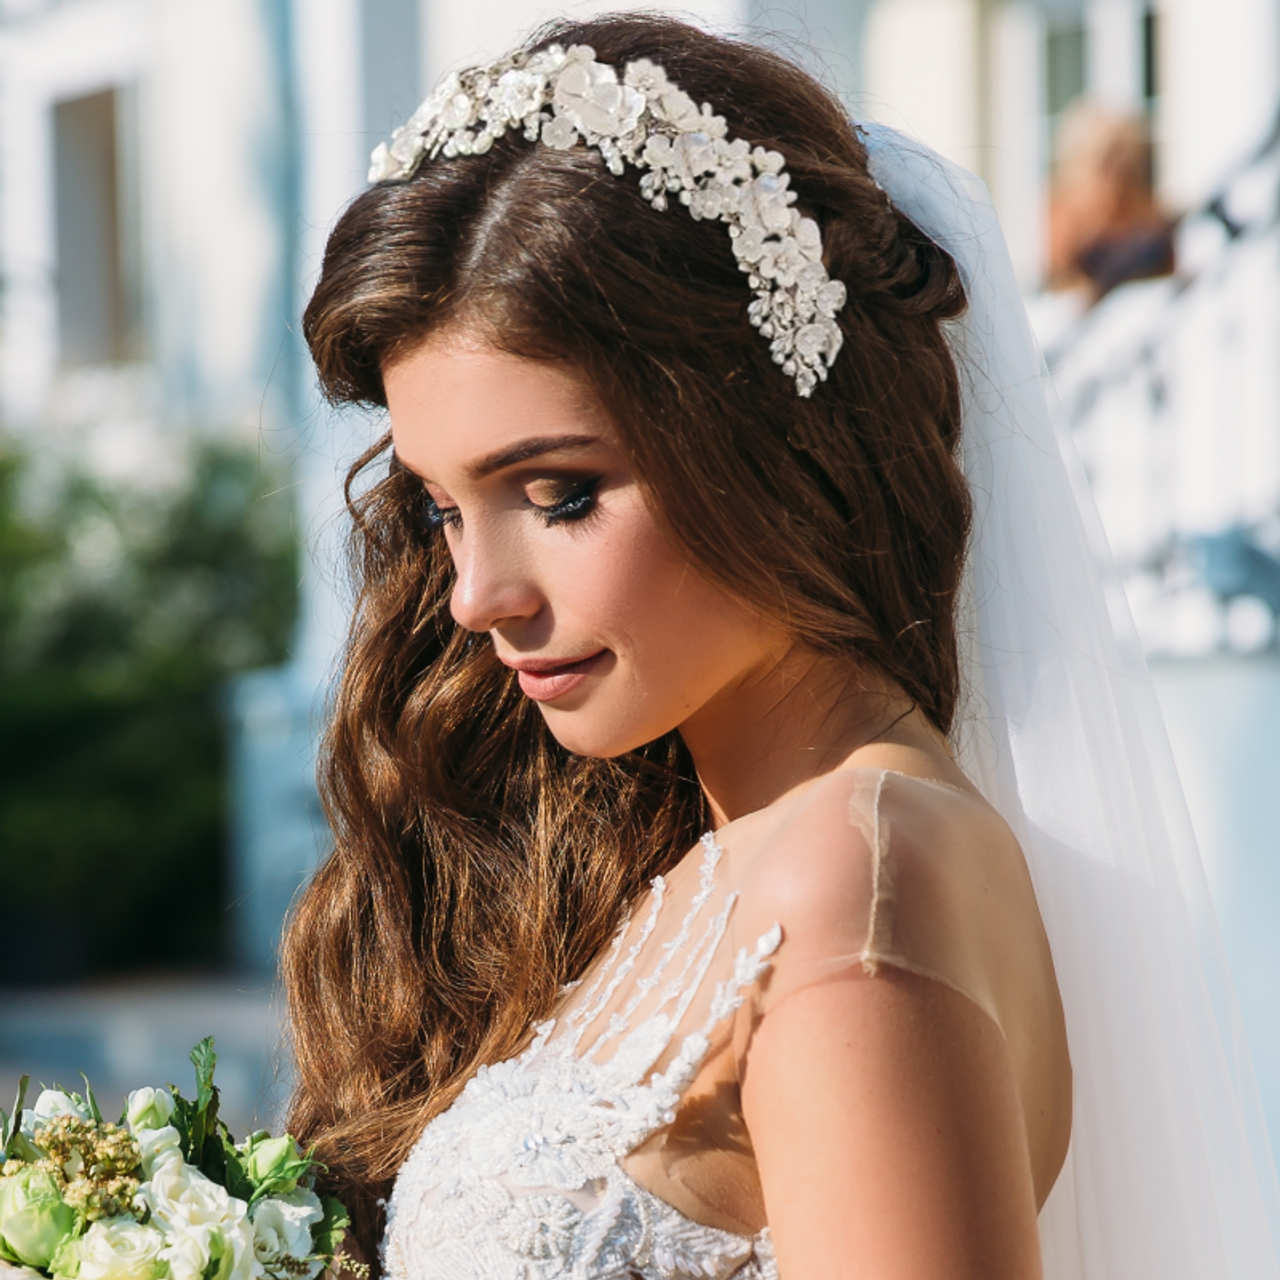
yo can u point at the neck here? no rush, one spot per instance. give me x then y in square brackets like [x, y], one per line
[802, 717]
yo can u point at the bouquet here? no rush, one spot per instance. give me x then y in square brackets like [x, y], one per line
[165, 1193]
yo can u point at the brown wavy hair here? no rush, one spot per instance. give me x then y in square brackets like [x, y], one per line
[477, 865]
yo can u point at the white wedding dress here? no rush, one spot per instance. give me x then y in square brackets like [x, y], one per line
[523, 1179]
[526, 1176]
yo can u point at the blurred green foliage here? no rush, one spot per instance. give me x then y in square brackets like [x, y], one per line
[122, 613]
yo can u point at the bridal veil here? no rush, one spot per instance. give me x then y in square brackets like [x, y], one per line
[1169, 1175]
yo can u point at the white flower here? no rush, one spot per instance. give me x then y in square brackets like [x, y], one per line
[831, 297]
[457, 110]
[810, 279]
[120, 1249]
[148, 1109]
[678, 109]
[707, 202]
[767, 161]
[657, 151]
[697, 156]
[646, 76]
[590, 95]
[816, 340]
[406, 146]
[547, 61]
[203, 1224]
[188, 1251]
[158, 1147]
[750, 245]
[282, 1228]
[518, 94]
[770, 201]
[559, 134]
[49, 1105]
[809, 238]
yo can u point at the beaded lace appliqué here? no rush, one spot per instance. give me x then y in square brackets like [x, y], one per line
[521, 1179]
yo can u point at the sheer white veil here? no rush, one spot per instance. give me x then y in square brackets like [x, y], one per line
[1170, 1175]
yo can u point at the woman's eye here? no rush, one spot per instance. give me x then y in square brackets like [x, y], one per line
[577, 504]
[434, 516]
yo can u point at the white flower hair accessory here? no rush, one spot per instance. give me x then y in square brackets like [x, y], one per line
[559, 96]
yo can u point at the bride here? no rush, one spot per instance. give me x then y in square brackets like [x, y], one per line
[744, 816]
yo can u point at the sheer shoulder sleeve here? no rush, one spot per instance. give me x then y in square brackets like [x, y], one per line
[875, 869]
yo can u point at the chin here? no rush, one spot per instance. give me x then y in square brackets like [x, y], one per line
[584, 735]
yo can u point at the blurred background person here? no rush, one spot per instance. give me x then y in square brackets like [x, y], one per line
[1104, 224]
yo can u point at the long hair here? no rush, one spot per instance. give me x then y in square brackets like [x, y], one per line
[477, 865]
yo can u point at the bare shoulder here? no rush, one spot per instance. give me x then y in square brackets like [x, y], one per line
[875, 873]
[862, 839]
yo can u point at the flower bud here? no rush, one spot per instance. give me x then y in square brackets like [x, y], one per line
[34, 1221]
[266, 1158]
[148, 1109]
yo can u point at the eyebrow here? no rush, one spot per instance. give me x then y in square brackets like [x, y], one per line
[534, 447]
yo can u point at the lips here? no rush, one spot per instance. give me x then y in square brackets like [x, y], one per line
[544, 680]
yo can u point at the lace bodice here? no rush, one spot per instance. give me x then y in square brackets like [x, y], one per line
[521, 1179]
[568, 1161]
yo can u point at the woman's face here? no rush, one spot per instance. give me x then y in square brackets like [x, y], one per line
[616, 635]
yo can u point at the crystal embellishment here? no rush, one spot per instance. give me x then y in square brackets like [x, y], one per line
[562, 96]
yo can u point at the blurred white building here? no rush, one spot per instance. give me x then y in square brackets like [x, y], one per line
[169, 170]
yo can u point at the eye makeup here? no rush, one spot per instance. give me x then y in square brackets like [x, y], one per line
[575, 502]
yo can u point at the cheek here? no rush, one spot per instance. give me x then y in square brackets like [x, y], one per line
[677, 638]
[638, 586]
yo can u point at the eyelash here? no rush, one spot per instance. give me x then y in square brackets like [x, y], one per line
[576, 505]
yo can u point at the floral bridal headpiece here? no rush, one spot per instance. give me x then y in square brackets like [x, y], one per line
[559, 96]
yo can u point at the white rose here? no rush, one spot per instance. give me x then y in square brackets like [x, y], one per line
[49, 1105]
[148, 1109]
[158, 1147]
[120, 1249]
[205, 1224]
[282, 1227]
[197, 1252]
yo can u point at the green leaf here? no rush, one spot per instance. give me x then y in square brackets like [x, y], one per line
[204, 1115]
[91, 1102]
[13, 1125]
[328, 1233]
[284, 1179]
[204, 1060]
[213, 1159]
[182, 1119]
[21, 1147]
[237, 1182]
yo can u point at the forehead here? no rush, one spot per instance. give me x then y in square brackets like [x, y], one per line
[455, 398]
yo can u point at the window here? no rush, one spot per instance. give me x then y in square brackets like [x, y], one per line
[99, 295]
[1150, 74]
[1064, 68]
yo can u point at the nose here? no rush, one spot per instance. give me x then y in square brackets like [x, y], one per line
[492, 585]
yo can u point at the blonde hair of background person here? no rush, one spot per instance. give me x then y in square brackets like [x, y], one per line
[1102, 204]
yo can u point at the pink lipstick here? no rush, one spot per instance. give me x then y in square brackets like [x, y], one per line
[544, 680]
